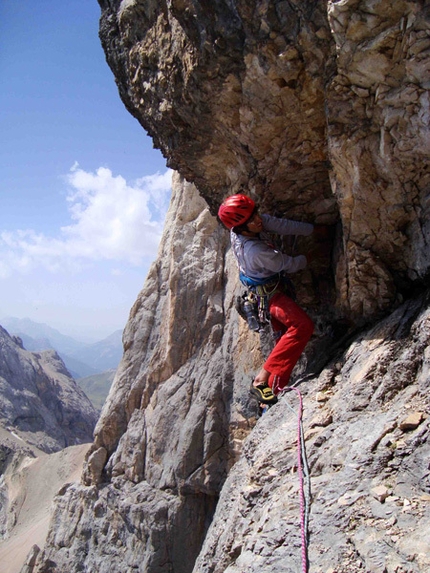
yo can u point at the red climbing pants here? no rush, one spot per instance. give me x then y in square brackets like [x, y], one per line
[295, 329]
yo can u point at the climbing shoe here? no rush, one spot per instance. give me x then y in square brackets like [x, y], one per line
[264, 394]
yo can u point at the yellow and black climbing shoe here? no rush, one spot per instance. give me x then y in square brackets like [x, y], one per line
[264, 394]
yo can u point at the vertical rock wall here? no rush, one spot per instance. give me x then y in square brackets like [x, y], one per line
[378, 139]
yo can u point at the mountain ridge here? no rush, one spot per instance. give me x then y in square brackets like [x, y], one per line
[40, 400]
[46, 426]
[82, 359]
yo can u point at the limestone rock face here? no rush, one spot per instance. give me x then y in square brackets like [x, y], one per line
[39, 400]
[378, 140]
[370, 482]
[169, 441]
[176, 356]
[317, 109]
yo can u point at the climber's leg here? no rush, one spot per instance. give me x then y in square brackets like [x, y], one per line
[299, 328]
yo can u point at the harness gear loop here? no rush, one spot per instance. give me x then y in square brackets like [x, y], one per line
[260, 291]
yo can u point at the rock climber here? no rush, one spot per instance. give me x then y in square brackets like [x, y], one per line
[260, 263]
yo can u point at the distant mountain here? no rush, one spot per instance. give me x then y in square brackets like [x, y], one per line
[39, 400]
[33, 344]
[97, 387]
[81, 359]
[46, 427]
[103, 355]
[76, 368]
[38, 331]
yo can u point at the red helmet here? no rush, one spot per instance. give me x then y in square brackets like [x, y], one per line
[236, 210]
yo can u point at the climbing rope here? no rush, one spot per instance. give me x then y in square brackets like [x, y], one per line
[304, 474]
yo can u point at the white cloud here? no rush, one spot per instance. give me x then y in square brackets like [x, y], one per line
[110, 220]
[157, 185]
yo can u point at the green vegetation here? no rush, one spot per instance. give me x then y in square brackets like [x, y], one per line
[97, 387]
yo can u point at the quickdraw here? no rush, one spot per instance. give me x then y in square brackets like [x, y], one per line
[263, 294]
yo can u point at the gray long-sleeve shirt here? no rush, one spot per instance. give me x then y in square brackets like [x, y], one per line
[258, 259]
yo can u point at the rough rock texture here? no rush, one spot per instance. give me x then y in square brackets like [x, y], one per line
[370, 474]
[378, 139]
[319, 110]
[173, 427]
[39, 400]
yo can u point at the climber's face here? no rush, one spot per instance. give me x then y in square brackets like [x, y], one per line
[255, 223]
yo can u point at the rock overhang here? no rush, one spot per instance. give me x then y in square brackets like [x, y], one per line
[315, 109]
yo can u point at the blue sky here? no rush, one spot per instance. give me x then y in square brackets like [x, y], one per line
[83, 194]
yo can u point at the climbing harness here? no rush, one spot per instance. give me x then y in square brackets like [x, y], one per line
[255, 301]
[304, 476]
[263, 294]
